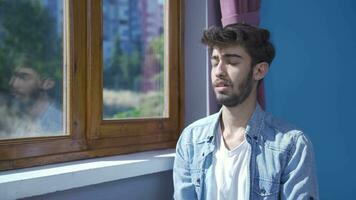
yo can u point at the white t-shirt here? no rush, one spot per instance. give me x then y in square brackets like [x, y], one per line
[230, 168]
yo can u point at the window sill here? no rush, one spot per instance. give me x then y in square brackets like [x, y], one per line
[58, 177]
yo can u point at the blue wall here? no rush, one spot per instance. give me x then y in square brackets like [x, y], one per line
[312, 82]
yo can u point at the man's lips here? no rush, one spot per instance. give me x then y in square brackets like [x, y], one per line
[16, 94]
[221, 86]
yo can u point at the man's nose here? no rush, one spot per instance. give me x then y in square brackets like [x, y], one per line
[220, 69]
[12, 81]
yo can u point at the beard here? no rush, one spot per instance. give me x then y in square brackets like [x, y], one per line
[236, 98]
[20, 105]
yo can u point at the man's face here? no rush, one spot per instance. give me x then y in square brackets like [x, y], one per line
[25, 85]
[231, 75]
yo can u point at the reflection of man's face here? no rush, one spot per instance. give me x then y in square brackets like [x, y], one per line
[25, 85]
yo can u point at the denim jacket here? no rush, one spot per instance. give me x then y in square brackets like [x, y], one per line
[281, 165]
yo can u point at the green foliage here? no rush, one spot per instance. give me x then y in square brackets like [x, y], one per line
[124, 71]
[157, 46]
[28, 36]
[131, 113]
[151, 105]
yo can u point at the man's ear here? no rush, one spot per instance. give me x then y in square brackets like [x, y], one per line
[260, 70]
[47, 84]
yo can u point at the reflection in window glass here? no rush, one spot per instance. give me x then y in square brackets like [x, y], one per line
[133, 46]
[31, 37]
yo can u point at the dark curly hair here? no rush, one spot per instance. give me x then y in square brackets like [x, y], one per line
[255, 40]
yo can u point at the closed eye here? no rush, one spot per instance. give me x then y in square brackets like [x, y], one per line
[214, 62]
[233, 63]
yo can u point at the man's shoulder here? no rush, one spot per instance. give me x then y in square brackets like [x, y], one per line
[280, 125]
[51, 120]
[282, 133]
[201, 129]
[203, 122]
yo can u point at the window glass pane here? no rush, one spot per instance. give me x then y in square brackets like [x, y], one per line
[31, 73]
[133, 56]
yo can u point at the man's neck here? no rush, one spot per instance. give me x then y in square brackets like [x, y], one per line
[234, 121]
[235, 118]
[39, 106]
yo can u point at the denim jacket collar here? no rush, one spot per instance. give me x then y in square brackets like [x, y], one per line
[253, 128]
[255, 124]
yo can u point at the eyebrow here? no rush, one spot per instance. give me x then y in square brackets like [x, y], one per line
[227, 56]
[21, 74]
[232, 56]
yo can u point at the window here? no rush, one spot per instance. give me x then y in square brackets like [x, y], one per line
[133, 71]
[109, 73]
[31, 69]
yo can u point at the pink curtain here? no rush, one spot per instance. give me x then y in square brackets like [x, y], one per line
[246, 11]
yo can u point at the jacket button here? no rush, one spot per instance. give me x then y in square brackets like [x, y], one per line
[203, 154]
[255, 137]
[198, 180]
[263, 191]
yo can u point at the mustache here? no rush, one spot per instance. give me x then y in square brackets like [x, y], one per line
[15, 92]
[221, 82]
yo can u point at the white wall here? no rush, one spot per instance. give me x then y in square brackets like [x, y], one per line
[195, 60]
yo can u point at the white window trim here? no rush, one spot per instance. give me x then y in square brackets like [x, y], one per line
[58, 177]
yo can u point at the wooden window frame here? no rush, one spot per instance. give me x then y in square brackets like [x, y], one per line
[90, 136]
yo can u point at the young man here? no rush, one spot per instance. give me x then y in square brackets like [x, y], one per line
[242, 152]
